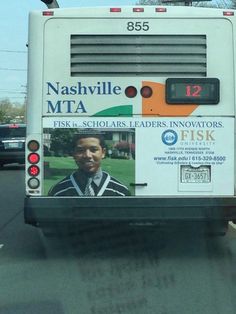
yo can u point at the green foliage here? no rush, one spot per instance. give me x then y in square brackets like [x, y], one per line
[232, 4]
[149, 2]
[211, 4]
[61, 141]
[10, 112]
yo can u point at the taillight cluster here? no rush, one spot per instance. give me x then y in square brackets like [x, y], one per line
[138, 10]
[33, 159]
[145, 91]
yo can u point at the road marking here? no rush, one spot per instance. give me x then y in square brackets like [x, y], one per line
[232, 224]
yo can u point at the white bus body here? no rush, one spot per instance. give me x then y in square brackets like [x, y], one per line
[161, 79]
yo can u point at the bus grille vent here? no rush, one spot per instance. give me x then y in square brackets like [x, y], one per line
[134, 55]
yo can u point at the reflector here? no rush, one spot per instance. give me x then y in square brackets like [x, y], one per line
[146, 91]
[130, 91]
[33, 183]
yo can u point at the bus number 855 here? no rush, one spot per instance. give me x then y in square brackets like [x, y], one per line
[137, 26]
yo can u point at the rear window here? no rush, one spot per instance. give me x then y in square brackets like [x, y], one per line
[12, 131]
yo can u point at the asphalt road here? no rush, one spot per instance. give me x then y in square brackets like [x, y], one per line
[110, 270]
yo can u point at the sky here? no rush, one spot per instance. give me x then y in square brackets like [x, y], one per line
[13, 34]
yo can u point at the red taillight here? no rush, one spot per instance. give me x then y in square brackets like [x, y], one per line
[130, 91]
[138, 9]
[48, 13]
[228, 13]
[33, 171]
[33, 146]
[115, 9]
[146, 91]
[160, 10]
[33, 158]
[13, 126]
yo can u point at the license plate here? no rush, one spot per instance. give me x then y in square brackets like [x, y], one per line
[13, 145]
[190, 174]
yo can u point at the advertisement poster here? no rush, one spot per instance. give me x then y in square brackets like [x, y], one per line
[136, 156]
[105, 155]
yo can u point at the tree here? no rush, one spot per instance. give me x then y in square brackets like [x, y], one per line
[10, 113]
[5, 109]
[216, 4]
[232, 4]
[149, 2]
[61, 141]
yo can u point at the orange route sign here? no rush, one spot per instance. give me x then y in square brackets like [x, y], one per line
[157, 106]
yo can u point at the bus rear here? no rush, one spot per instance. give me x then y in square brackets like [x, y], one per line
[159, 84]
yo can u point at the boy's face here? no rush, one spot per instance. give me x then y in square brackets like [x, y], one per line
[88, 154]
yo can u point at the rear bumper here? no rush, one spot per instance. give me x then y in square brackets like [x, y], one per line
[12, 156]
[39, 210]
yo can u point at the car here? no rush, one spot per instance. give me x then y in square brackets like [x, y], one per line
[12, 143]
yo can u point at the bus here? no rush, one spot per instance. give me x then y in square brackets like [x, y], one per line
[158, 84]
